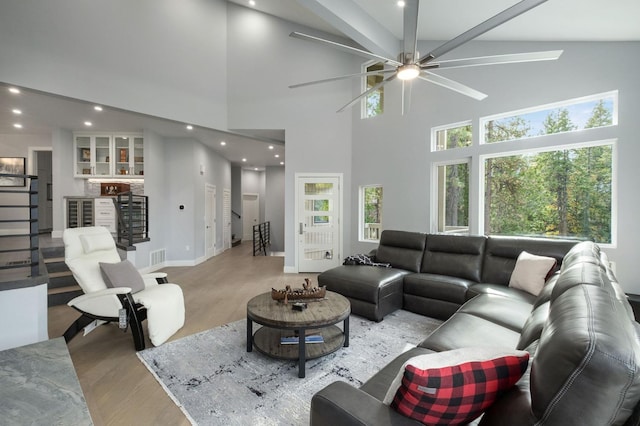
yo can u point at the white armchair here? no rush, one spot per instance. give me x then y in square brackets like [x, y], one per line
[140, 297]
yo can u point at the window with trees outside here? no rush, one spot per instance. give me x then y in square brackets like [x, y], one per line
[373, 103]
[451, 136]
[370, 212]
[562, 190]
[453, 198]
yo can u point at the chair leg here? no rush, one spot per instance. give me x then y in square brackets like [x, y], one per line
[135, 321]
[75, 327]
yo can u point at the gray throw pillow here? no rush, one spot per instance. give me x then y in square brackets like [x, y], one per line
[122, 274]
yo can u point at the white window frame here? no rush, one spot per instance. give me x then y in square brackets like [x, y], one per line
[363, 88]
[435, 196]
[614, 179]
[435, 130]
[361, 224]
[550, 106]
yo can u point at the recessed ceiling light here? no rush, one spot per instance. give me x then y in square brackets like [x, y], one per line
[282, 163]
[97, 108]
[223, 143]
[270, 146]
[16, 111]
[401, 3]
[244, 160]
[189, 127]
[256, 169]
[14, 90]
[277, 155]
[252, 3]
[17, 126]
[88, 123]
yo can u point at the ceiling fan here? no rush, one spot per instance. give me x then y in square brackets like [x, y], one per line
[410, 65]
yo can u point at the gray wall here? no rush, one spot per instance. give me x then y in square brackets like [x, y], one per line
[398, 148]
[159, 57]
[317, 139]
[274, 206]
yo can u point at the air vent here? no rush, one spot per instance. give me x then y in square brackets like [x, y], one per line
[157, 257]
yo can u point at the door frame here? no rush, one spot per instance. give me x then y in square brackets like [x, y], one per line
[207, 208]
[305, 175]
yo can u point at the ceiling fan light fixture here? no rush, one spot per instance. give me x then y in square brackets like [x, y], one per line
[408, 71]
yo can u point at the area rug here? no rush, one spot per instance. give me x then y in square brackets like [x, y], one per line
[215, 381]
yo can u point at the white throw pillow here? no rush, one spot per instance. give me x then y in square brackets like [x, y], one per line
[531, 272]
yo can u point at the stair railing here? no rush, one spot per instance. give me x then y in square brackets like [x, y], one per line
[13, 209]
[261, 238]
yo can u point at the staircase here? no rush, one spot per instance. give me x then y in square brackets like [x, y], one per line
[62, 286]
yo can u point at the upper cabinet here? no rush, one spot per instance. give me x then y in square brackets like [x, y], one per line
[129, 155]
[104, 155]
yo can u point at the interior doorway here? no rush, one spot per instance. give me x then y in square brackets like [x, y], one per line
[226, 219]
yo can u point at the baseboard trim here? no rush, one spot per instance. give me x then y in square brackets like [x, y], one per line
[290, 270]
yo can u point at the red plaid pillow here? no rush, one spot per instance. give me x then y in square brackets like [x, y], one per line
[456, 394]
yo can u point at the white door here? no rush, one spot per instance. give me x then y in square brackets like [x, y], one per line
[210, 221]
[319, 233]
[226, 219]
[250, 215]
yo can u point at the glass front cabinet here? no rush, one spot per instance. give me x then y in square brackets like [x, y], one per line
[100, 155]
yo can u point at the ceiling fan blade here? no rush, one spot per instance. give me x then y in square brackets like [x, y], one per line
[499, 19]
[406, 96]
[452, 85]
[365, 93]
[410, 25]
[343, 47]
[342, 77]
[549, 55]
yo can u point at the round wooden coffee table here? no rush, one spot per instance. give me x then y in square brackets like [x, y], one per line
[280, 320]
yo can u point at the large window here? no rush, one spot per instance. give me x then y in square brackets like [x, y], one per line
[370, 212]
[564, 192]
[517, 181]
[569, 116]
[373, 103]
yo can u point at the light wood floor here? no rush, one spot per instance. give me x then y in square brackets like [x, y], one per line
[119, 390]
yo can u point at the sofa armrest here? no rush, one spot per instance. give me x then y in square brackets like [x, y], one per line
[341, 404]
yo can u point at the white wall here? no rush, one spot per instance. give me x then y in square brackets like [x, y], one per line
[23, 316]
[159, 57]
[274, 206]
[397, 150]
[317, 138]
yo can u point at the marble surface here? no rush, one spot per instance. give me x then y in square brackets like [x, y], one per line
[38, 386]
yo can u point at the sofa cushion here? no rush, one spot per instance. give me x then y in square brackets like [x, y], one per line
[454, 387]
[507, 312]
[464, 329]
[499, 290]
[531, 272]
[367, 283]
[401, 249]
[454, 255]
[501, 254]
[440, 287]
[588, 347]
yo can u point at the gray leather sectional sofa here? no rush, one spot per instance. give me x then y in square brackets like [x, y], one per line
[580, 330]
